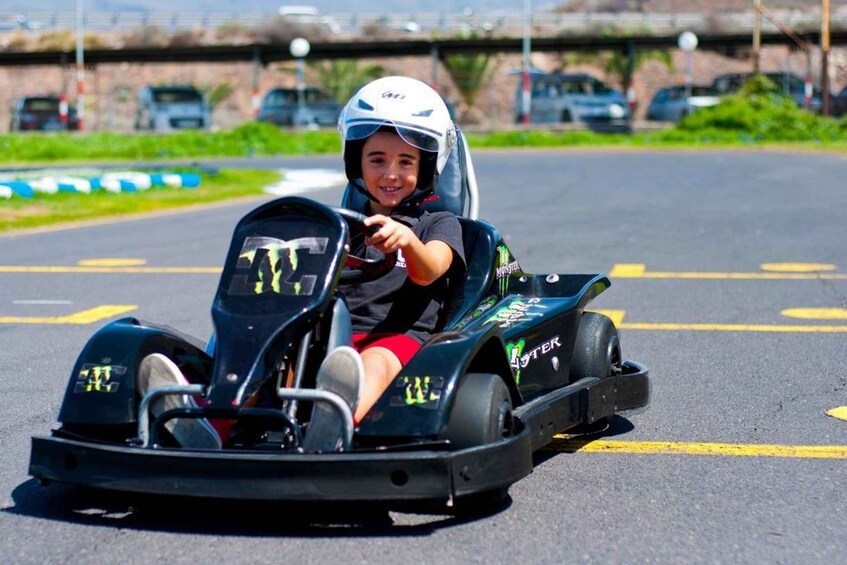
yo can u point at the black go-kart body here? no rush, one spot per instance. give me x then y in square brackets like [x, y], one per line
[519, 359]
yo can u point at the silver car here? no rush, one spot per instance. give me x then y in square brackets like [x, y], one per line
[673, 103]
[575, 97]
[172, 107]
[281, 106]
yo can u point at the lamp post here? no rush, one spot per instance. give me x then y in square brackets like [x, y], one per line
[687, 41]
[80, 67]
[299, 48]
[526, 97]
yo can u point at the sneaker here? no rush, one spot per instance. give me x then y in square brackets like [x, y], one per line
[156, 370]
[342, 373]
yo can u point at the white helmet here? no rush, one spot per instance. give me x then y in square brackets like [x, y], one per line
[411, 108]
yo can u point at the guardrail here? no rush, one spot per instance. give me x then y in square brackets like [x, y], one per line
[352, 22]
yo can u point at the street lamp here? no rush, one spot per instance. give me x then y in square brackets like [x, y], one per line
[80, 67]
[299, 48]
[526, 96]
[687, 41]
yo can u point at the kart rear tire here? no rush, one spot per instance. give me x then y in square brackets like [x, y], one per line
[481, 413]
[597, 350]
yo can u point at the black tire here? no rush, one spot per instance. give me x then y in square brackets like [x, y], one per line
[566, 117]
[482, 412]
[597, 350]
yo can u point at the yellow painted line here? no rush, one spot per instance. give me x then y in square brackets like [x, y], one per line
[111, 262]
[103, 269]
[639, 271]
[816, 313]
[570, 445]
[617, 317]
[773, 328]
[797, 267]
[840, 413]
[81, 318]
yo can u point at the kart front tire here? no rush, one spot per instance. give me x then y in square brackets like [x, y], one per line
[481, 413]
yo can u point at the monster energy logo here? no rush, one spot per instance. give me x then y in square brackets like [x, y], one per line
[267, 264]
[98, 378]
[514, 350]
[505, 267]
[424, 392]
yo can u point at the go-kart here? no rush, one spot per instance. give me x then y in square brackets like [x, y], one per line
[518, 360]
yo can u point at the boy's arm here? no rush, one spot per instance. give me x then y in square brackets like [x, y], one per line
[425, 263]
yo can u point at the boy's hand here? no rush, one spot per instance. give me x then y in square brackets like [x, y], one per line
[391, 235]
[425, 263]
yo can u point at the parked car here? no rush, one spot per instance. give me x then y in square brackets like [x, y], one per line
[672, 103]
[838, 103]
[172, 107]
[281, 106]
[41, 113]
[574, 97]
[791, 84]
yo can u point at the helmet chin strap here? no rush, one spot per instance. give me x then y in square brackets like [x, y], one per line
[359, 185]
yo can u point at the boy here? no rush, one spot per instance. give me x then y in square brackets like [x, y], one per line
[396, 134]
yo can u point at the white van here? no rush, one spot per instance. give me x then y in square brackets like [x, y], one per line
[309, 15]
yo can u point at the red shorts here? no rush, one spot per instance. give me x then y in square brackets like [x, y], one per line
[400, 345]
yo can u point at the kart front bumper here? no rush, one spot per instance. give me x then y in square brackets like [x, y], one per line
[406, 476]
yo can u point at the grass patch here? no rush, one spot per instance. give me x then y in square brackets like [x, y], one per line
[248, 140]
[50, 209]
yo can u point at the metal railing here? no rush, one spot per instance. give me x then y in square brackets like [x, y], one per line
[423, 22]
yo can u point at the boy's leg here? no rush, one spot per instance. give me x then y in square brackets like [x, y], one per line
[381, 366]
[383, 356]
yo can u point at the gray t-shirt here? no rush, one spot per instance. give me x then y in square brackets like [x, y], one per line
[393, 303]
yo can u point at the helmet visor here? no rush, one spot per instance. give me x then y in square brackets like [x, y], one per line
[422, 138]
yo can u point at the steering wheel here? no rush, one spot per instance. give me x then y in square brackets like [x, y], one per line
[362, 269]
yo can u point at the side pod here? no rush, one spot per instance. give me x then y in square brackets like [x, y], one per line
[101, 389]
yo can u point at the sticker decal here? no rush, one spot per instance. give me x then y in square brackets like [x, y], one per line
[514, 350]
[424, 392]
[506, 265]
[481, 309]
[517, 311]
[98, 378]
[267, 264]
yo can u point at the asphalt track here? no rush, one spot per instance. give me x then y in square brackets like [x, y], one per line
[729, 278]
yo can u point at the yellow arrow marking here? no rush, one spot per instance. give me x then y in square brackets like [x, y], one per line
[639, 271]
[816, 313]
[101, 269]
[570, 445]
[840, 413]
[110, 262]
[81, 318]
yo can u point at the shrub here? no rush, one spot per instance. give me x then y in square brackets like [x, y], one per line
[760, 112]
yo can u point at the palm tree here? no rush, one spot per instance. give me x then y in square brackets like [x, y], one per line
[340, 78]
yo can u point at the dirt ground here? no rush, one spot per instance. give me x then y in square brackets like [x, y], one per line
[110, 89]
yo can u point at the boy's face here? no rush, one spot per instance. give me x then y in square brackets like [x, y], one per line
[389, 169]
